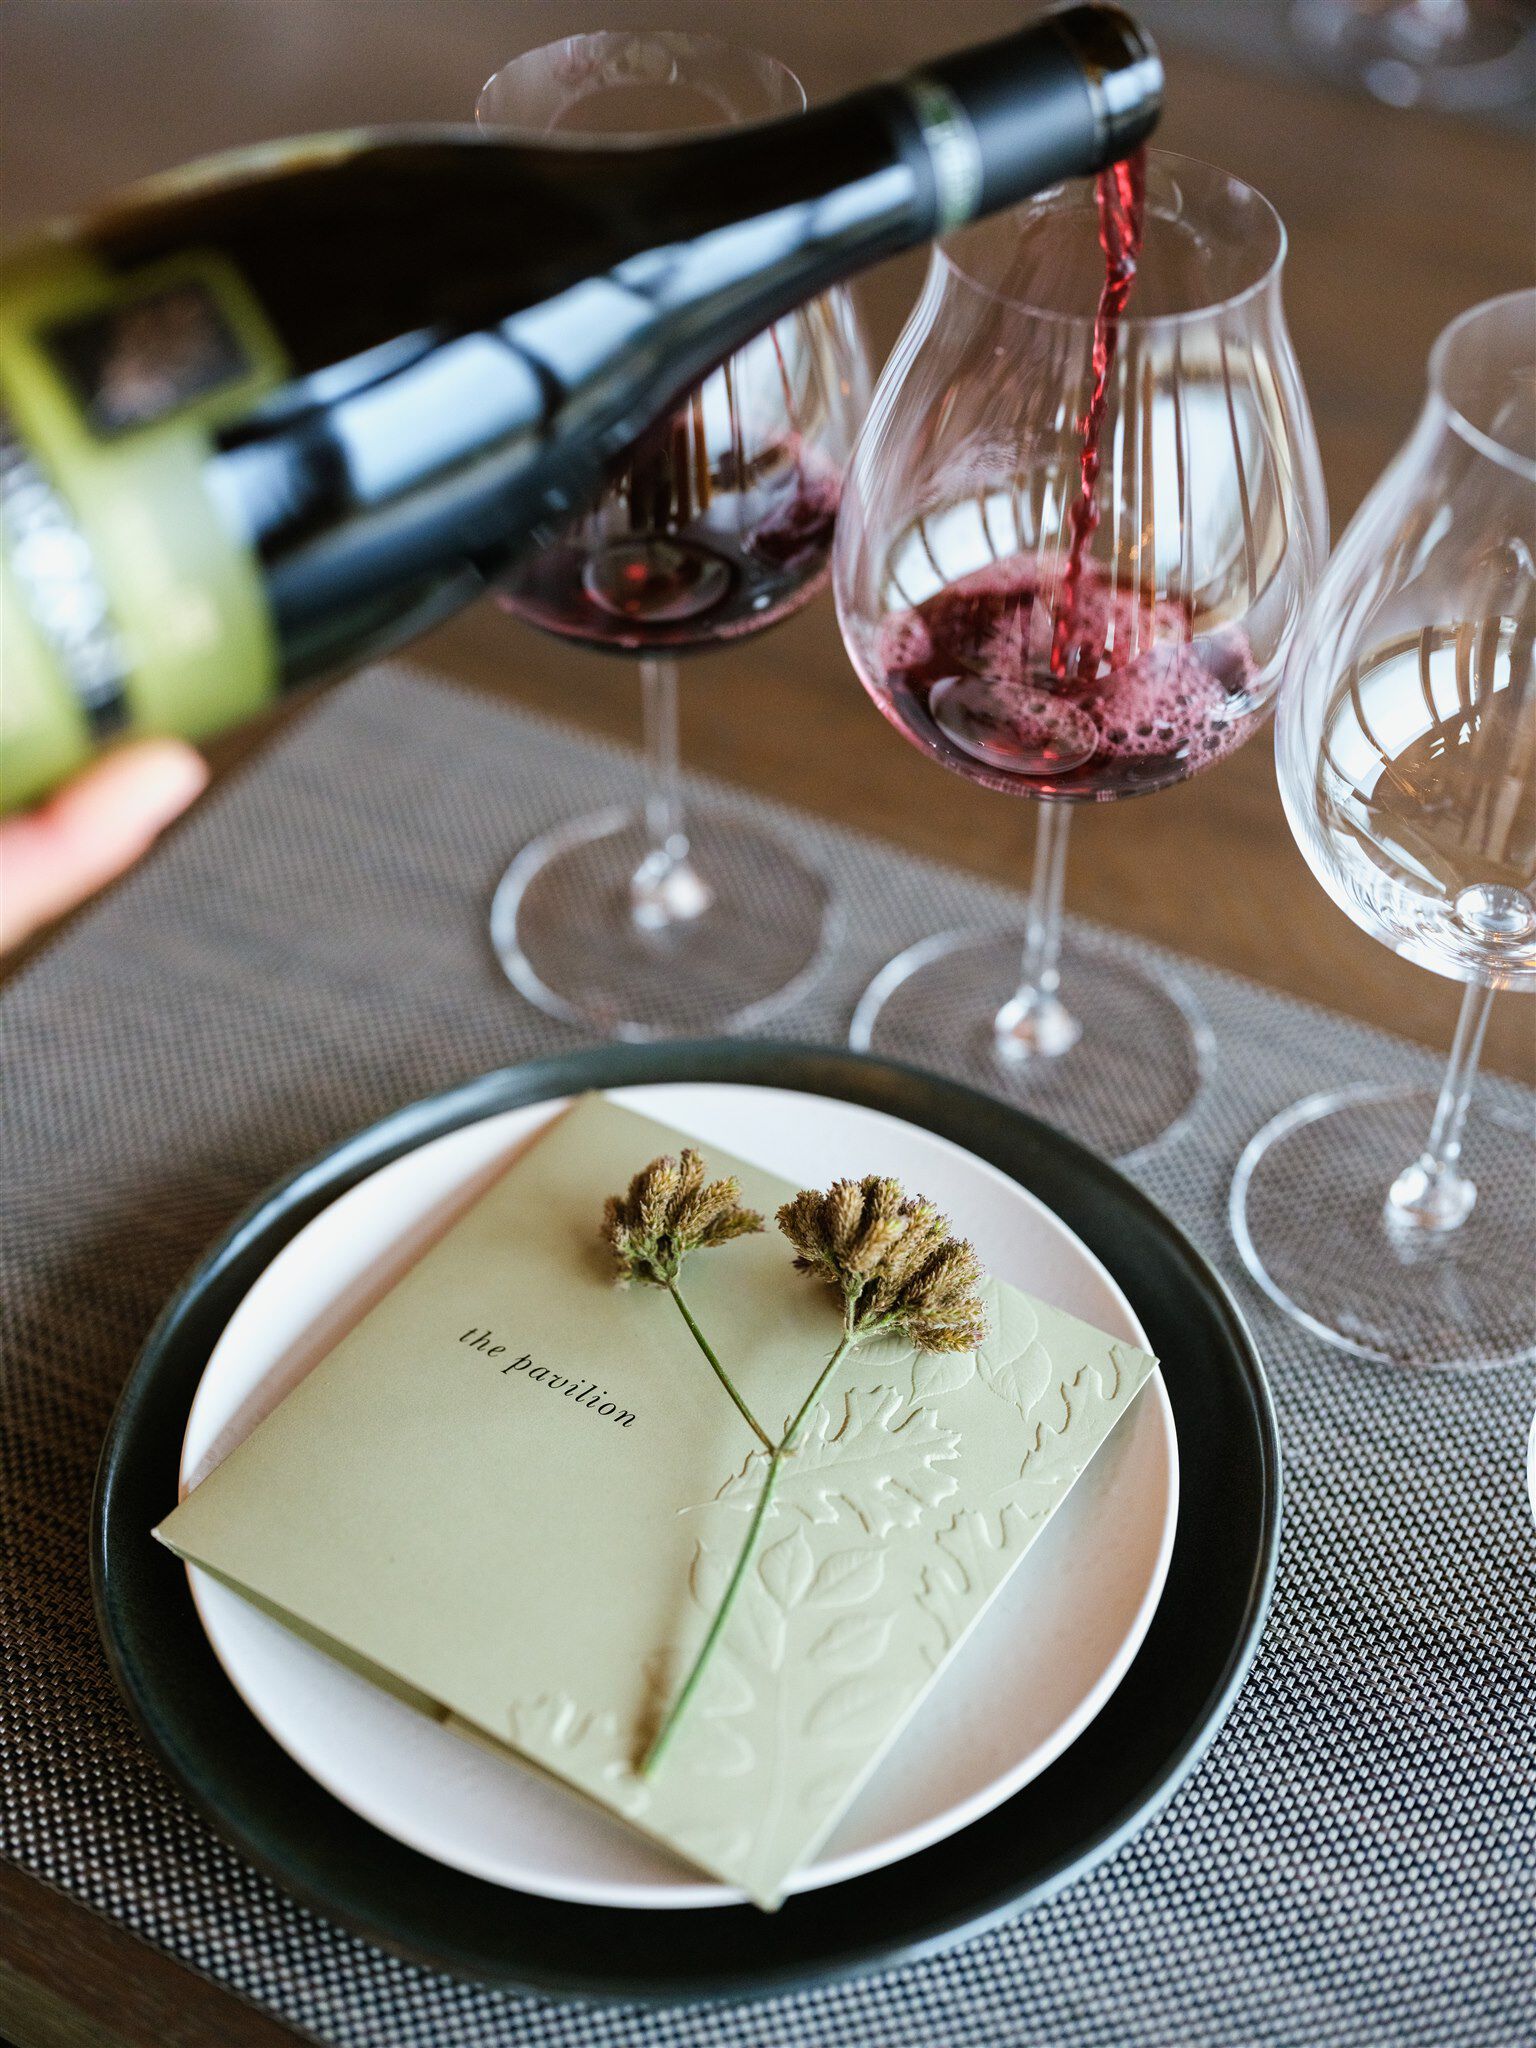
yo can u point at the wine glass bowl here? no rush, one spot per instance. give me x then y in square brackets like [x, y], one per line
[952, 573]
[1405, 828]
[1406, 750]
[716, 523]
[1077, 623]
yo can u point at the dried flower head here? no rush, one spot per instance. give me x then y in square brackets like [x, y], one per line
[893, 1259]
[668, 1211]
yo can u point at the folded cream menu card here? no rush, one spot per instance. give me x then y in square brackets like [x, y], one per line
[517, 1491]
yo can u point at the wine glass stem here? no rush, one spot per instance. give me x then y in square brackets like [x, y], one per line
[1433, 1195]
[663, 776]
[666, 889]
[1034, 1023]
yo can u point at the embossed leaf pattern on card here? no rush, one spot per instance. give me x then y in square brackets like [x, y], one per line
[874, 1456]
[818, 1630]
[941, 1372]
[592, 1744]
[1014, 1361]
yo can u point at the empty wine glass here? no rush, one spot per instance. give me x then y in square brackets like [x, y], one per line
[651, 922]
[1459, 54]
[1389, 1221]
[1072, 553]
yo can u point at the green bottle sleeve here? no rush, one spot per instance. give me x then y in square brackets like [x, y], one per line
[127, 606]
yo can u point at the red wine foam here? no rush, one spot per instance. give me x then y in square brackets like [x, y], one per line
[967, 676]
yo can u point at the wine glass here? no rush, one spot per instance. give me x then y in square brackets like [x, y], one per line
[1073, 550]
[1387, 1220]
[1458, 54]
[718, 523]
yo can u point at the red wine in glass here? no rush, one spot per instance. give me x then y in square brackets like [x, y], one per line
[968, 676]
[1043, 676]
[717, 524]
[757, 555]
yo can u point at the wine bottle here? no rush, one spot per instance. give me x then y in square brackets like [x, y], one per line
[268, 415]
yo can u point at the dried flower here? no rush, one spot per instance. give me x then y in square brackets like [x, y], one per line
[668, 1211]
[893, 1259]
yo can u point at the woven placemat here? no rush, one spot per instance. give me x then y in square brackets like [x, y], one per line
[1355, 1860]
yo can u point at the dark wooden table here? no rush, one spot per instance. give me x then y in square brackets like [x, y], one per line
[1397, 222]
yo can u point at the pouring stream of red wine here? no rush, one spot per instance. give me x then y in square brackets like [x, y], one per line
[1121, 193]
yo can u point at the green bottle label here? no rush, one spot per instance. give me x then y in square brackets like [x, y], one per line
[126, 604]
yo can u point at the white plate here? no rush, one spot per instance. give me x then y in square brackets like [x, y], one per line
[1039, 1666]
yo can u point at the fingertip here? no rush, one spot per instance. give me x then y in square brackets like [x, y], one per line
[156, 779]
[121, 803]
[99, 824]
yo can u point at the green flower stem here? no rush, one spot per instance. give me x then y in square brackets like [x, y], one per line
[679, 1706]
[778, 1453]
[720, 1372]
[850, 1337]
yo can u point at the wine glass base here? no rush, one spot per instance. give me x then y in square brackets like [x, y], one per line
[565, 929]
[1126, 1081]
[1308, 1214]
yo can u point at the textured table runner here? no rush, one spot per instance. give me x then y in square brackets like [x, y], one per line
[1354, 1863]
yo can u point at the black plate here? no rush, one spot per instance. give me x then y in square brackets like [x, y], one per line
[1110, 1781]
